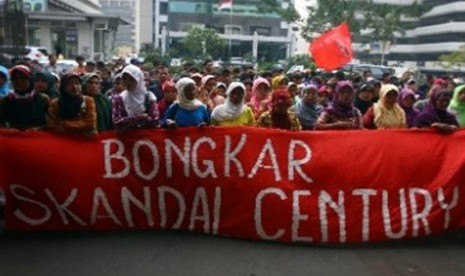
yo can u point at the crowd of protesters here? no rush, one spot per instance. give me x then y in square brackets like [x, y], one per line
[97, 97]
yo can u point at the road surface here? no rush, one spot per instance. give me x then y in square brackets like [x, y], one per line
[181, 253]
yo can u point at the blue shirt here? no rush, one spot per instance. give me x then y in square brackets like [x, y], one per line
[187, 118]
[5, 88]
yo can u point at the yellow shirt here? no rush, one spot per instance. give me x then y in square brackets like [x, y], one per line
[246, 119]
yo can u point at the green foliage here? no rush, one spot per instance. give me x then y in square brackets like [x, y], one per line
[290, 14]
[304, 60]
[151, 54]
[382, 21]
[201, 43]
[454, 58]
[329, 13]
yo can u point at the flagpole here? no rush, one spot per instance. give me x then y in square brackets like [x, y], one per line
[230, 30]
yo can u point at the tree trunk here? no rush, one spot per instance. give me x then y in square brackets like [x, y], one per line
[383, 51]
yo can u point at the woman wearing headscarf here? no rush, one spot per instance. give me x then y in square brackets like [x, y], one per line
[72, 112]
[207, 92]
[279, 116]
[23, 108]
[279, 82]
[170, 94]
[364, 98]
[324, 96]
[406, 101]
[386, 113]
[435, 114]
[44, 83]
[342, 114]
[457, 105]
[135, 107]
[4, 82]
[118, 86]
[307, 109]
[260, 101]
[233, 112]
[91, 86]
[188, 111]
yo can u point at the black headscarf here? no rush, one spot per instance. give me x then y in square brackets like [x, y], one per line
[69, 106]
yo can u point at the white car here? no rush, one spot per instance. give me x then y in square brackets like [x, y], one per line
[37, 53]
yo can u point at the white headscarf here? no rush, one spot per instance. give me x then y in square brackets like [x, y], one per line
[206, 78]
[183, 101]
[229, 111]
[134, 101]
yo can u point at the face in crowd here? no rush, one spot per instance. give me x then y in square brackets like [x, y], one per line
[93, 86]
[237, 96]
[73, 86]
[129, 82]
[189, 92]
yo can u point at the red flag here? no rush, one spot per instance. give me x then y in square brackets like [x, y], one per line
[333, 49]
[225, 4]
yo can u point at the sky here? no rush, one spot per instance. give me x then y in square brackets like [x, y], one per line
[302, 45]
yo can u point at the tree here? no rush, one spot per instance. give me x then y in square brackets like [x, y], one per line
[202, 43]
[454, 58]
[290, 14]
[379, 22]
[152, 54]
[304, 60]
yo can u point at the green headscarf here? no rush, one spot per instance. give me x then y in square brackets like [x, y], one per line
[458, 107]
[86, 78]
[102, 105]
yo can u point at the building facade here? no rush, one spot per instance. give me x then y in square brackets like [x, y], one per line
[125, 9]
[65, 27]
[249, 32]
[439, 31]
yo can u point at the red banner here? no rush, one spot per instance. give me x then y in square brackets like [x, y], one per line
[311, 187]
[333, 49]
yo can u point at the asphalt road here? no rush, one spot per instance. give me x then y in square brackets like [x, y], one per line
[181, 253]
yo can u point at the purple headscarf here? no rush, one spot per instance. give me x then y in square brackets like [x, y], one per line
[339, 109]
[431, 115]
[411, 113]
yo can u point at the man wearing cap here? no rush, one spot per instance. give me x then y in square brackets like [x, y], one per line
[23, 109]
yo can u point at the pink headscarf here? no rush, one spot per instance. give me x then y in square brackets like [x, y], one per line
[255, 101]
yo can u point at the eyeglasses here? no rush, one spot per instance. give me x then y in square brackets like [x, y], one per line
[94, 82]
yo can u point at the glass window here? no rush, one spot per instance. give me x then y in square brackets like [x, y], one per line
[163, 8]
[33, 35]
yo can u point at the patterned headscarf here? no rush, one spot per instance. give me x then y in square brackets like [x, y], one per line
[280, 120]
[308, 113]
